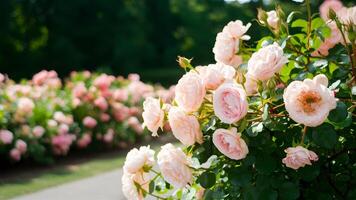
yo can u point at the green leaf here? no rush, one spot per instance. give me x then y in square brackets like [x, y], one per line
[325, 136]
[290, 16]
[213, 194]
[339, 114]
[207, 179]
[316, 23]
[265, 164]
[288, 191]
[255, 129]
[240, 176]
[300, 23]
[151, 187]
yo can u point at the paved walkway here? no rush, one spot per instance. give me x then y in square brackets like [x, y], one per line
[105, 186]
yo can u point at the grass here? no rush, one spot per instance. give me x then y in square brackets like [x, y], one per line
[34, 179]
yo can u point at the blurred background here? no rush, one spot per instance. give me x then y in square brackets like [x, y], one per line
[118, 36]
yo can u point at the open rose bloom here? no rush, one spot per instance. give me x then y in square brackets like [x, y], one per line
[272, 119]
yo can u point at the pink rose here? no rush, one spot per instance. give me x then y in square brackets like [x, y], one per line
[121, 112]
[129, 182]
[15, 154]
[6, 136]
[225, 49]
[214, 75]
[103, 82]
[324, 8]
[137, 159]
[101, 103]
[79, 90]
[133, 77]
[63, 129]
[104, 117]
[152, 115]
[109, 136]
[89, 122]
[299, 157]
[230, 143]
[61, 143]
[309, 102]
[25, 105]
[185, 128]
[21, 146]
[228, 42]
[174, 165]
[273, 19]
[230, 103]
[38, 131]
[120, 95]
[84, 141]
[2, 78]
[62, 118]
[266, 62]
[190, 92]
[135, 124]
[250, 85]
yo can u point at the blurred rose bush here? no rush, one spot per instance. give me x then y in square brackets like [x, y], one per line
[271, 121]
[43, 117]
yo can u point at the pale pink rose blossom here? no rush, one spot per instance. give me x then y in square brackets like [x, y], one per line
[230, 143]
[133, 77]
[250, 85]
[199, 195]
[226, 48]
[89, 122]
[109, 136]
[63, 129]
[214, 75]
[121, 112]
[139, 90]
[120, 95]
[52, 123]
[135, 124]
[299, 157]
[273, 19]
[79, 90]
[136, 159]
[227, 43]
[6, 136]
[21, 146]
[76, 102]
[129, 188]
[84, 141]
[38, 131]
[25, 105]
[266, 62]
[152, 115]
[237, 30]
[190, 92]
[309, 102]
[101, 103]
[103, 82]
[174, 166]
[185, 128]
[61, 143]
[2, 78]
[230, 102]
[60, 117]
[324, 8]
[104, 117]
[15, 154]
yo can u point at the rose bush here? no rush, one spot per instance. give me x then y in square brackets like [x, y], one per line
[278, 124]
[44, 117]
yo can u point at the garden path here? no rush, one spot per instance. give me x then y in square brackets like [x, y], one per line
[106, 186]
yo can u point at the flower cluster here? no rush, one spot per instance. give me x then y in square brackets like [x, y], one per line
[264, 122]
[45, 116]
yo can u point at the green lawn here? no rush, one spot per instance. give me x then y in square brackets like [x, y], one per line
[30, 180]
